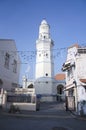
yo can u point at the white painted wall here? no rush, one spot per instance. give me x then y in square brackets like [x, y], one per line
[44, 83]
[7, 75]
[44, 57]
[81, 66]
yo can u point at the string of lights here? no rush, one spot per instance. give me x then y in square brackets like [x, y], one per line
[29, 56]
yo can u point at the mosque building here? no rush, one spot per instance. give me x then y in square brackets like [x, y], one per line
[45, 83]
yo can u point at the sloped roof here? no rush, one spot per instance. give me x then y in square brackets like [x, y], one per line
[60, 76]
[75, 45]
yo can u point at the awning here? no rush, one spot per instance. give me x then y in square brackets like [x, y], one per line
[67, 65]
[83, 82]
[70, 86]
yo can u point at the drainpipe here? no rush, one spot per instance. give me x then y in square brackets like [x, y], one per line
[76, 96]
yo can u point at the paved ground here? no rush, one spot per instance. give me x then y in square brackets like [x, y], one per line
[47, 109]
[52, 116]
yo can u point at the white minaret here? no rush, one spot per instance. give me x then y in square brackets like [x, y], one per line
[45, 83]
[44, 57]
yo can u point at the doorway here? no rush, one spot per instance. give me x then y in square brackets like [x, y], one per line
[59, 92]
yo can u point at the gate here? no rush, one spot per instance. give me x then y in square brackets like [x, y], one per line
[70, 103]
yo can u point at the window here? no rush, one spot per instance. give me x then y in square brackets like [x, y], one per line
[14, 66]
[19, 98]
[7, 60]
[39, 55]
[44, 37]
[82, 50]
[70, 72]
[46, 55]
[46, 74]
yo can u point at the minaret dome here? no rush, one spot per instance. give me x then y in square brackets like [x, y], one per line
[44, 30]
[44, 21]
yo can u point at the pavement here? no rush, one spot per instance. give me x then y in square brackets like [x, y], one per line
[47, 110]
[51, 116]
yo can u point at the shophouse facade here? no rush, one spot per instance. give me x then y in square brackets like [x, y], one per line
[75, 69]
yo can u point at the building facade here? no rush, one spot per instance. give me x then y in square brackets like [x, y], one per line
[9, 65]
[75, 69]
[47, 86]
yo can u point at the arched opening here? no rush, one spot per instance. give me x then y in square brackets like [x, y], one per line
[30, 86]
[59, 92]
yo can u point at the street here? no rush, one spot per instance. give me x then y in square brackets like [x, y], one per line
[52, 116]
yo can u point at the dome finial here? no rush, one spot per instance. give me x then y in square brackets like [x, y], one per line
[44, 21]
[44, 18]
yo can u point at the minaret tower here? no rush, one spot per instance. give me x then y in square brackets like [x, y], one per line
[45, 83]
[44, 57]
